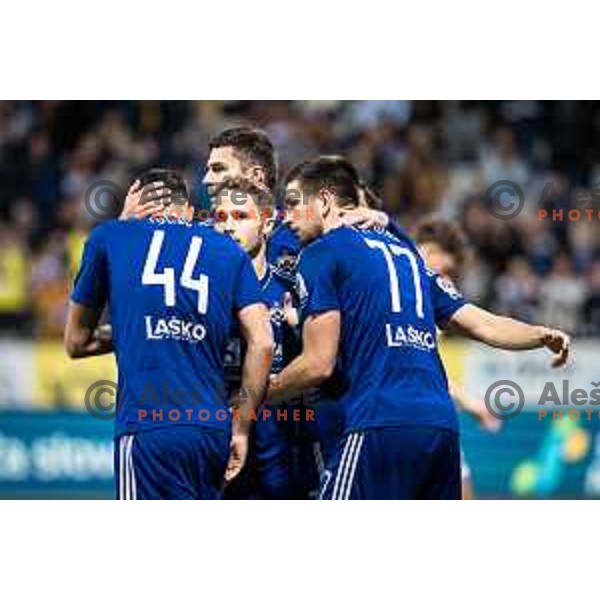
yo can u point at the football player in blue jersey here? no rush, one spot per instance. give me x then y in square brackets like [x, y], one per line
[173, 290]
[442, 245]
[246, 154]
[370, 307]
[277, 465]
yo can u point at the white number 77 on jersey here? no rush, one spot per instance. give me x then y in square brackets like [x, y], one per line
[389, 251]
[167, 277]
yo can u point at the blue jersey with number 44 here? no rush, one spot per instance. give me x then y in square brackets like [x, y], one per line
[173, 291]
[390, 305]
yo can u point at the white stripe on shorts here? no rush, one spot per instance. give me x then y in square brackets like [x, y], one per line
[132, 486]
[354, 463]
[121, 468]
[340, 468]
[347, 467]
[127, 485]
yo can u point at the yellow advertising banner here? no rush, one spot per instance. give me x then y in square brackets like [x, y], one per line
[453, 353]
[61, 382]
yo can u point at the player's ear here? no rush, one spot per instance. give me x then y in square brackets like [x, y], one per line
[258, 174]
[325, 198]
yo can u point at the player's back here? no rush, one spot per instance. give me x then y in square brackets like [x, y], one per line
[173, 290]
[388, 352]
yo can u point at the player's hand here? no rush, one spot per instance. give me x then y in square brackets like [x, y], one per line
[144, 202]
[103, 333]
[364, 218]
[238, 452]
[487, 421]
[559, 343]
[291, 313]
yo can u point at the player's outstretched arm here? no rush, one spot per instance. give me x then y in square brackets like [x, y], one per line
[320, 340]
[255, 327]
[510, 334]
[83, 337]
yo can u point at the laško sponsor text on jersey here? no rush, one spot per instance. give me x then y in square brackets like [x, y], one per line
[397, 337]
[173, 328]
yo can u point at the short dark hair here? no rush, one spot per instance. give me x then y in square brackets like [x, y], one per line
[294, 172]
[447, 235]
[344, 164]
[371, 198]
[334, 173]
[253, 145]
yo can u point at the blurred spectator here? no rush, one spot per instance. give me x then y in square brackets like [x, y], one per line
[540, 245]
[421, 179]
[463, 132]
[475, 281]
[502, 160]
[562, 295]
[24, 220]
[516, 291]
[583, 241]
[495, 241]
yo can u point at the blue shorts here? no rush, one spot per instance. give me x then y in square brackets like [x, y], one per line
[275, 458]
[183, 462]
[418, 463]
[280, 463]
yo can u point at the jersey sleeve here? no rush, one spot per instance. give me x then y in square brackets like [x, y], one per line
[316, 281]
[247, 289]
[445, 297]
[91, 282]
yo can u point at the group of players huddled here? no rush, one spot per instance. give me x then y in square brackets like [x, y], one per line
[286, 348]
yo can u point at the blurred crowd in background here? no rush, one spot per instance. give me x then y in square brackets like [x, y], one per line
[423, 157]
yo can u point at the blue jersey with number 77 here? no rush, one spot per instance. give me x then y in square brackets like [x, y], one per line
[390, 305]
[173, 291]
